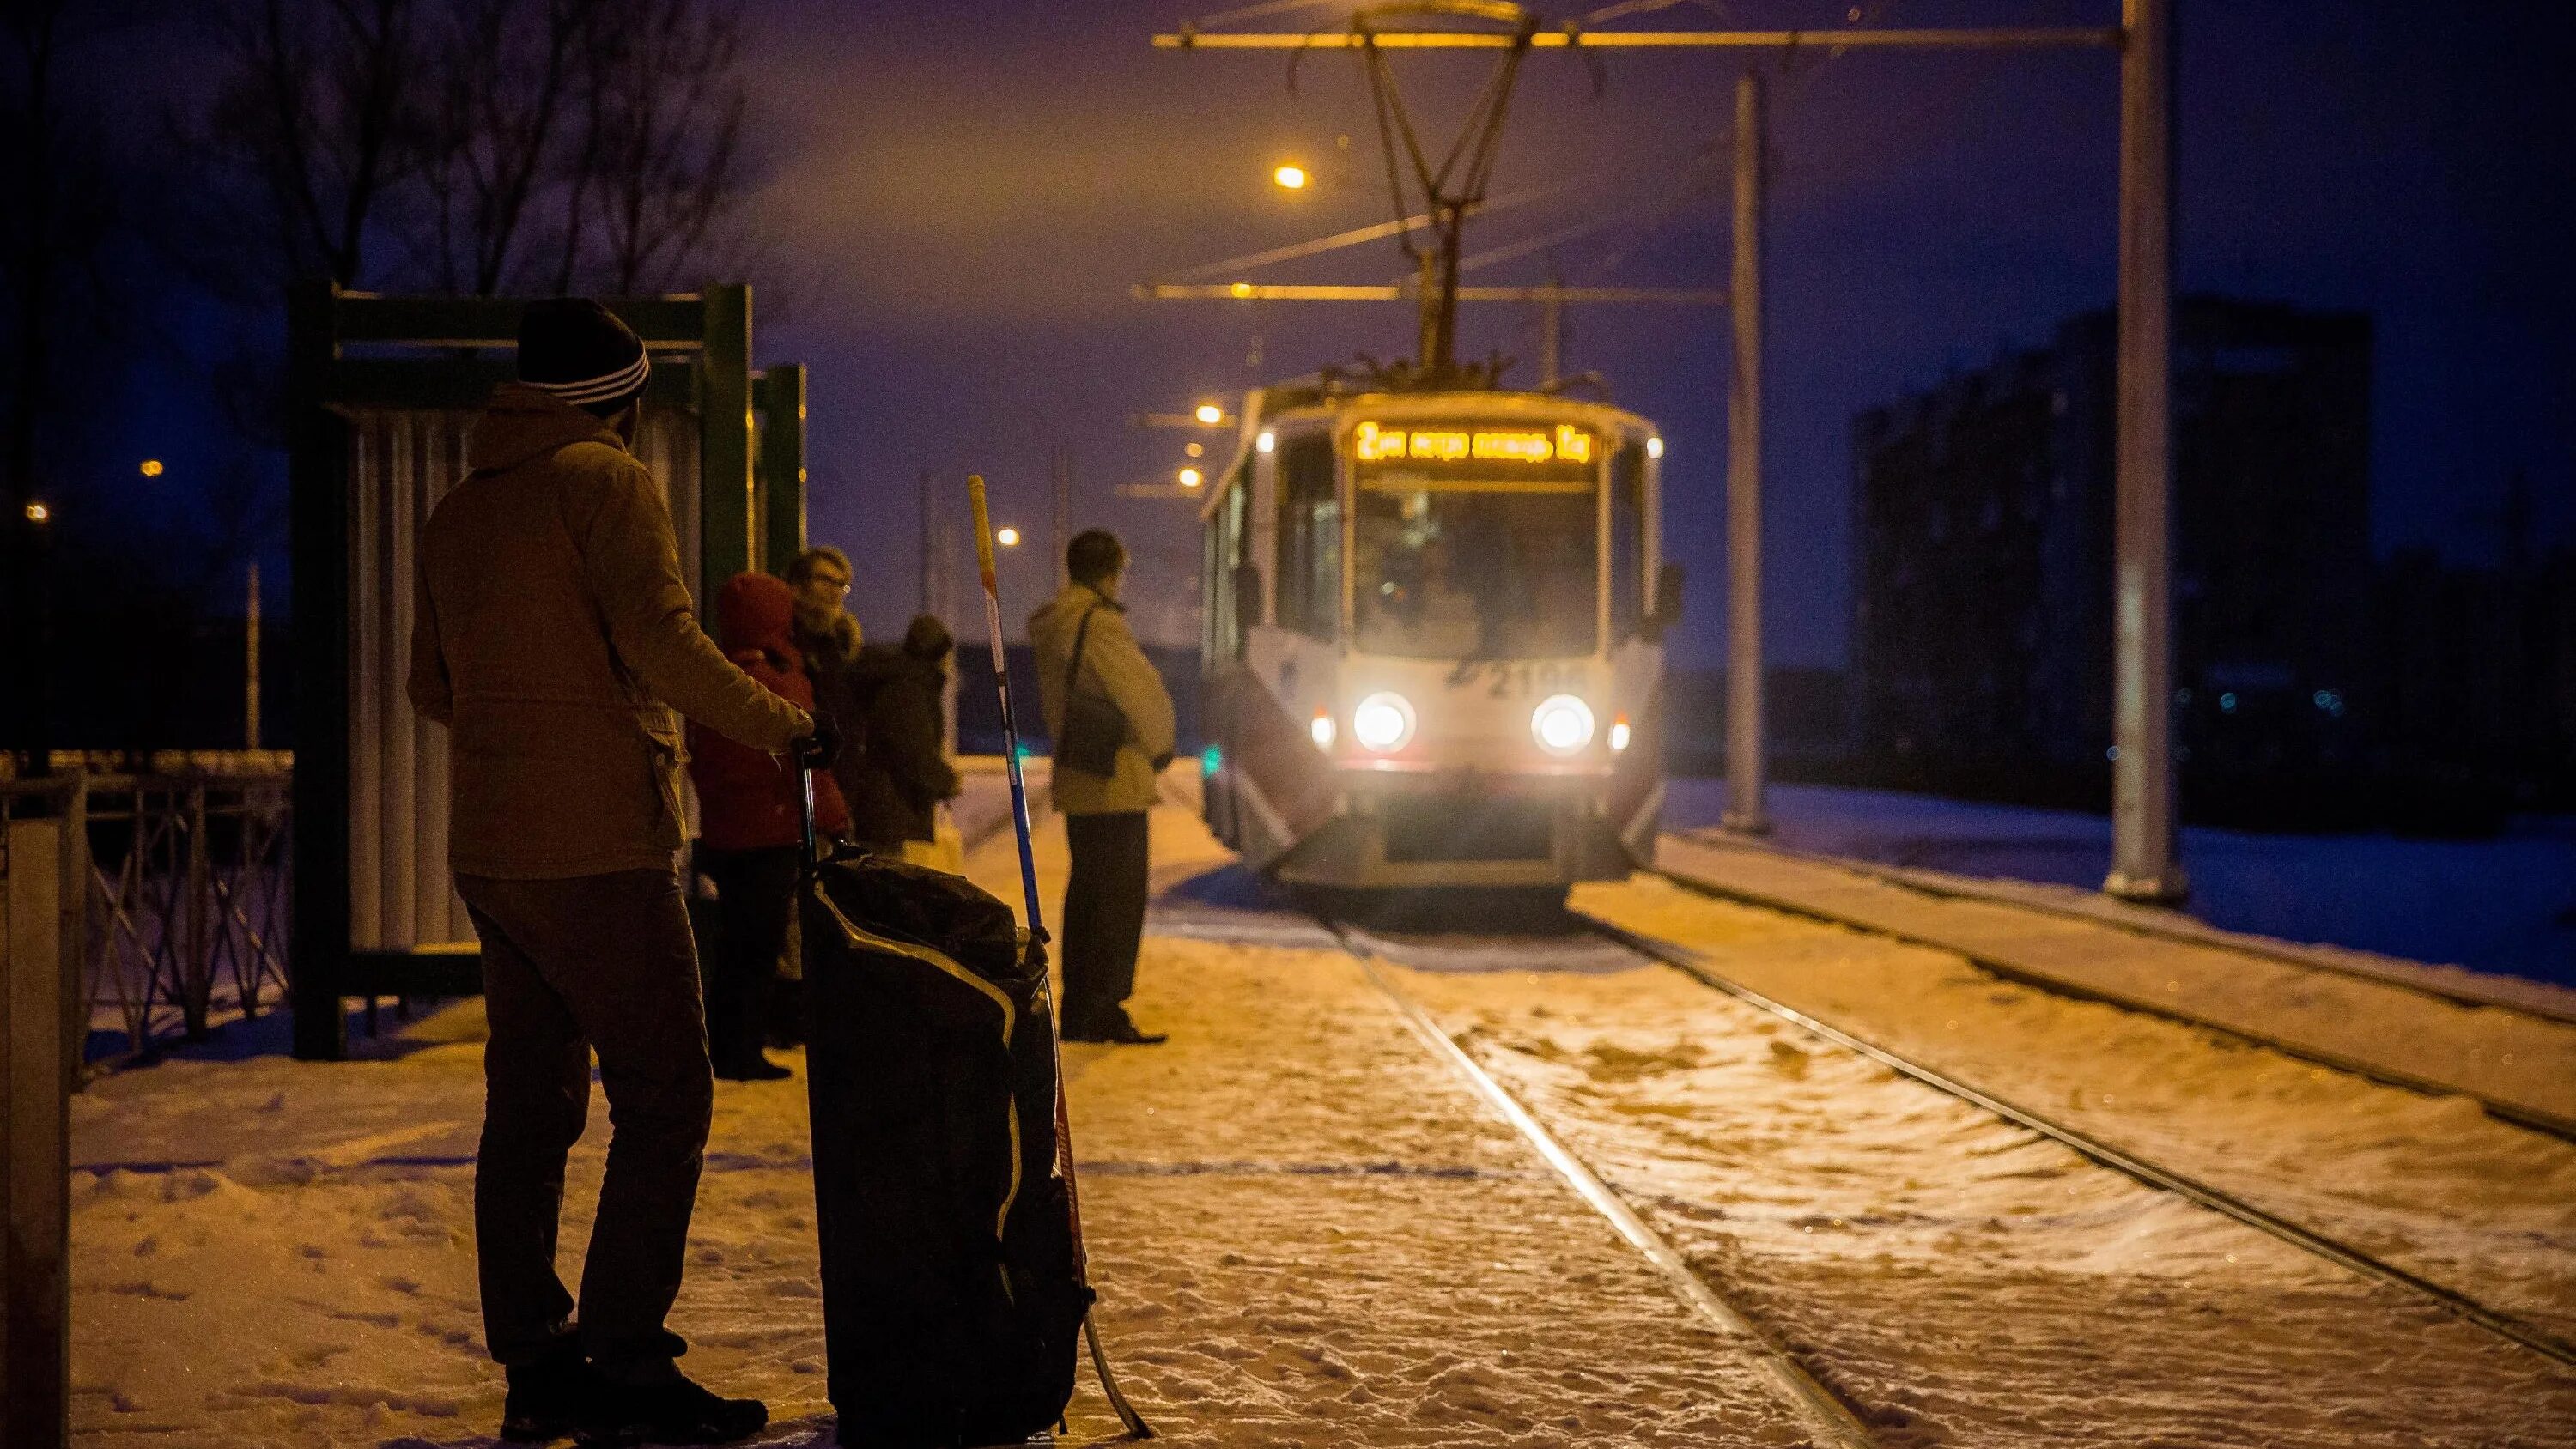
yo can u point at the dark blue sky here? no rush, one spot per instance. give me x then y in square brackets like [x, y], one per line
[960, 195]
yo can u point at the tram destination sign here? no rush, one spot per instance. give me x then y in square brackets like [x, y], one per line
[1562, 451]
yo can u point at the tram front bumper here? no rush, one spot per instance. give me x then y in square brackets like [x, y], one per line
[1512, 832]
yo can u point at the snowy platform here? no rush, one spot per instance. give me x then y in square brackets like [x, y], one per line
[2441, 1028]
[1307, 1231]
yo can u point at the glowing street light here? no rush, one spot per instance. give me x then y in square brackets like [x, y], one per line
[1007, 538]
[151, 467]
[38, 513]
[1290, 178]
[1191, 477]
[1210, 414]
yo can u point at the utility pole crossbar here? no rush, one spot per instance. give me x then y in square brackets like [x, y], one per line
[2052, 37]
[1406, 291]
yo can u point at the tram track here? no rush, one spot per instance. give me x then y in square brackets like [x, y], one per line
[1823, 1411]
[1821, 1403]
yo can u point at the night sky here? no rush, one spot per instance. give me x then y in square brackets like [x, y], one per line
[958, 196]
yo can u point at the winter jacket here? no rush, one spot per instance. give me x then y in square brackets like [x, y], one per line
[1111, 665]
[747, 798]
[903, 773]
[553, 636]
[828, 657]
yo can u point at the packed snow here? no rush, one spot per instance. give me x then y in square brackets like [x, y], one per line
[1306, 1230]
[1961, 1280]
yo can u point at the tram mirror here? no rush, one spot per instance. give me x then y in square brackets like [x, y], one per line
[1668, 598]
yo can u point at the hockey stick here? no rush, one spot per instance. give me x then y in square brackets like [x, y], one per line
[1137, 1428]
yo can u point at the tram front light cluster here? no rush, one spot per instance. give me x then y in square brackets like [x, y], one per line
[1562, 724]
[1383, 722]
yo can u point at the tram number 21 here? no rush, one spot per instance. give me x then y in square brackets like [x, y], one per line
[1520, 681]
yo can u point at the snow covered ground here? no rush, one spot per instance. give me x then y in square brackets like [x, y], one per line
[1962, 1280]
[2506, 904]
[1306, 1231]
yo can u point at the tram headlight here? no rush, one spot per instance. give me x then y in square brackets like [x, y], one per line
[1320, 729]
[1619, 732]
[1383, 722]
[1561, 724]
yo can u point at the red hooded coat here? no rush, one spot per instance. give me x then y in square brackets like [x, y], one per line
[746, 798]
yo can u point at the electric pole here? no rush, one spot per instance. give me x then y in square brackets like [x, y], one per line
[1063, 479]
[250, 666]
[2146, 861]
[1746, 811]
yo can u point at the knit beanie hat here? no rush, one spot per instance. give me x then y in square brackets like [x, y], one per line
[576, 351]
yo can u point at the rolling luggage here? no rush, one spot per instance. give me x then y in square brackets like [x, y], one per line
[954, 1280]
[953, 1286]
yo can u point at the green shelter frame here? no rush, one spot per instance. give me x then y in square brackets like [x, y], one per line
[355, 360]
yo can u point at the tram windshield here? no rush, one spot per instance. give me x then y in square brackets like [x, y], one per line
[1475, 570]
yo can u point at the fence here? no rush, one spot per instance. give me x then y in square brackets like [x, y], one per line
[176, 894]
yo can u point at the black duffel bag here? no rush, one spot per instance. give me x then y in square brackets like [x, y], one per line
[953, 1292]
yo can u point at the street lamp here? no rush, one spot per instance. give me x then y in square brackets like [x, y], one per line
[1210, 414]
[151, 467]
[38, 513]
[1290, 178]
[1191, 477]
[1007, 537]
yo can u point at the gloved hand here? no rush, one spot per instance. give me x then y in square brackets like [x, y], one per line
[818, 750]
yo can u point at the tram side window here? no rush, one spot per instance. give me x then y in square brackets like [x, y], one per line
[1627, 542]
[1309, 588]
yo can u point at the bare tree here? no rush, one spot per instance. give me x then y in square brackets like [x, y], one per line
[661, 155]
[321, 111]
[510, 80]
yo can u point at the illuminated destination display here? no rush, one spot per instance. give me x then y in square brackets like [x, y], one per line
[1377, 443]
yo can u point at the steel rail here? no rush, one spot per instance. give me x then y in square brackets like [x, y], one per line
[2506, 1325]
[1825, 1413]
[2532, 1119]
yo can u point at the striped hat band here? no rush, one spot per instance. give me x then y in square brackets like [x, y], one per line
[627, 379]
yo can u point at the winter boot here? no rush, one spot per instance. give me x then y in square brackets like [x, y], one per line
[672, 1410]
[551, 1398]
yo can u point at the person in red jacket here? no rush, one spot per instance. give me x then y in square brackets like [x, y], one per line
[749, 818]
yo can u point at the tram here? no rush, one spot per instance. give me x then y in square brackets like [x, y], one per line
[1432, 652]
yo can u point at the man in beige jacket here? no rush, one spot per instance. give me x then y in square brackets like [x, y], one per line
[1104, 815]
[554, 638]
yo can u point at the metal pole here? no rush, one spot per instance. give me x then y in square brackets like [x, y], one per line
[35, 1325]
[727, 543]
[2144, 861]
[782, 467]
[929, 552]
[1063, 512]
[1744, 797]
[250, 666]
[1551, 334]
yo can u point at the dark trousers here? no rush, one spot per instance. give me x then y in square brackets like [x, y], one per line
[755, 891]
[599, 962]
[1104, 914]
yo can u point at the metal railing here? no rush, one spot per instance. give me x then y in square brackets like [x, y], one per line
[182, 909]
